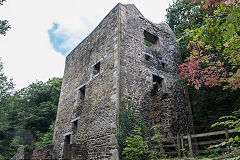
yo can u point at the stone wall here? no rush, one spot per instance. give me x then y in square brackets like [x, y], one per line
[113, 65]
[42, 153]
[20, 153]
[95, 116]
[76, 151]
[139, 64]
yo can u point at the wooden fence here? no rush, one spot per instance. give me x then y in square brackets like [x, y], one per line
[191, 144]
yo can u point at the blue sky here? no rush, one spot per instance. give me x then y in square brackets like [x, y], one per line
[57, 39]
[42, 35]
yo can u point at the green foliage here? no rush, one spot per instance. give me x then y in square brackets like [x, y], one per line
[44, 138]
[132, 139]
[219, 49]
[234, 158]
[6, 91]
[158, 139]
[148, 43]
[232, 121]
[127, 122]
[208, 104]
[6, 85]
[182, 15]
[16, 141]
[4, 24]
[136, 147]
[26, 115]
[37, 105]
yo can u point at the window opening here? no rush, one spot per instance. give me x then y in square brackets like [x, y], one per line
[147, 57]
[163, 65]
[96, 68]
[66, 146]
[75, 124]
[150, 39]
[67, 139]
[157, 84]
[81, 94]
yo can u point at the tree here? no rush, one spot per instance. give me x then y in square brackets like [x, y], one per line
[212, 3]
[136, 147]
[182, 15]
[6, 85]
[27, 115]
[215, 48]
[4, 24]
[6, 90]
[45, 138]
[208, 104]
[38, 103]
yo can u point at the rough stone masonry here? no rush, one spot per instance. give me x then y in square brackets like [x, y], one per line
[125, 59]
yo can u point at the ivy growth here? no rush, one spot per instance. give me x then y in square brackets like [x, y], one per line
[136, 147]
[127, 123]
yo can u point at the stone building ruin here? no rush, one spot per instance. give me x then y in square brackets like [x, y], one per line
[126, 58]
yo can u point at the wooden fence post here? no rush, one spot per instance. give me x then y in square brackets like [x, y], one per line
[227, 139]
[190, 145]
[182, 145]
[178, 146]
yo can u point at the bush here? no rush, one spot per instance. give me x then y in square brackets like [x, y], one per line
[136, 147]
[127, 122]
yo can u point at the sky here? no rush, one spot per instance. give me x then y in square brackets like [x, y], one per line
[44, 31]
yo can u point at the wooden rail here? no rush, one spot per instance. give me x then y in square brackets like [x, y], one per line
[210, 134]
[191, 144]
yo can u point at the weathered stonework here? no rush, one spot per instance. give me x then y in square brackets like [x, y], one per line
[114, 65]
[42, 153]
[20, 153]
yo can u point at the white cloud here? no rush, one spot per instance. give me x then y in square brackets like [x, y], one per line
[26, 49]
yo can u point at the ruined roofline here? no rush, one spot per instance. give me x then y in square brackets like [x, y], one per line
[159, 25]
[168, 27]
[117, 6]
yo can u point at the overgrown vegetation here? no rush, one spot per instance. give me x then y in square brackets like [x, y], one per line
[208, 32]
[27, 116]
[210, 45]
[136, 148]
[208, 104]
[127, 123]
[157, 140]
[133, 142]
[182, 15]
[231, 121]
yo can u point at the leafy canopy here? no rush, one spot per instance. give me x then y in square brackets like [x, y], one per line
[208, 104]
[214, 49]
[27, 116]
[4, 24]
